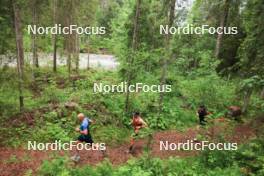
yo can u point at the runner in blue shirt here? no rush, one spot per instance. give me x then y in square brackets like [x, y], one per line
[85, 135]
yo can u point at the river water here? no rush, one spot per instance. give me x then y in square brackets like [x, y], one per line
[107, 62]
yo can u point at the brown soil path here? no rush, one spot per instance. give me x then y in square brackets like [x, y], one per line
[17, 161]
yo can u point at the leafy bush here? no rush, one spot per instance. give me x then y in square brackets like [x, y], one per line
[56, 167]
[157, 122]
[251, 156]
[111, 135]
[50, 132]
[51, 94]
[215, 93]
[217, 158]
[138, 167]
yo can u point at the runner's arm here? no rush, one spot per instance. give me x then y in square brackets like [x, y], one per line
[144, 124]
[85, 131]
[77, 129]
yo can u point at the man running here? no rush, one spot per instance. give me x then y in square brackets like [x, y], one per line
[137, 123]
[202, 113]
[84, 131]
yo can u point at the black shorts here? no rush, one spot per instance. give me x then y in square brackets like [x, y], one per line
[85, 138]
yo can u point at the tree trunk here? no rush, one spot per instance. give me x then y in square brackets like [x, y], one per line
[34, 36]
[54, 37]
[77, 51]
[20, 53]
[70, 38]
[55, 53]
[88, 56]
[262, 94]
[88, 60]
[167, 47]
[69, 64]
[68, 43]
[131, 60]
[222, 25]
[246, 101]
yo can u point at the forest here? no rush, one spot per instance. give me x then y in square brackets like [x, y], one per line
[134, 80]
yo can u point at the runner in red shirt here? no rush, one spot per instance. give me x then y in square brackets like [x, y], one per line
[137, 123]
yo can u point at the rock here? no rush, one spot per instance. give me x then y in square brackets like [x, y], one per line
[70, 105]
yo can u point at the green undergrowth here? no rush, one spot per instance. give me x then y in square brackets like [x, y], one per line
[247, 160]
[45, 117]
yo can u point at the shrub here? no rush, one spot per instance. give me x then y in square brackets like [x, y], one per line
[215, 93]
[50, 132]
[56, 167]
[251, 156]
[52, 94]
[111, 135]
[217, 158]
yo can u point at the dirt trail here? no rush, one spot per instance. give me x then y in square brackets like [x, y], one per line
[18, 161]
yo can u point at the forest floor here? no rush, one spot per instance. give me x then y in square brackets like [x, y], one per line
[16, 161]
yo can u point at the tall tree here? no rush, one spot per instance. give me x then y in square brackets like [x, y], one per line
[54, 37]
[75, 37]
[131, 57]
[20, 51]
[34, 36]
[230, 43]
[71, 40]
[170, 18]
[223, 19]
[251, 50]
[77, 51]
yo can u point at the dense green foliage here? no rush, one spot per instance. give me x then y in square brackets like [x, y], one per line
[186, 62]
[248, 159]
